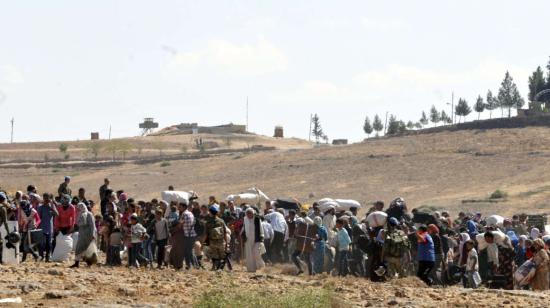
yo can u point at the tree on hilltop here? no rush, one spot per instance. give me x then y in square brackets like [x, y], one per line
[479, 106]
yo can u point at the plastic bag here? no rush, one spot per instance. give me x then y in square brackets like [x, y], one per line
[63, 248]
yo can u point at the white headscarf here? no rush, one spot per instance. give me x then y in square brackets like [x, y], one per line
[82, 213]
[535, 233]
[464, 237]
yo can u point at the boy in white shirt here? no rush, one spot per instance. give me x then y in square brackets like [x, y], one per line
[472, 266]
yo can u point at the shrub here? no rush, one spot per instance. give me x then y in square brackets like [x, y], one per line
[257, 297]
[165, 164]
[498, 194]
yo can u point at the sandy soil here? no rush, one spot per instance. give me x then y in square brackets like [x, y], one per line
[439, 170]
[49, 285]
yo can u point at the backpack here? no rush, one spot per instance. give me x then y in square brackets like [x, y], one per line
[217, 233]
[396, 244]
[198, 227]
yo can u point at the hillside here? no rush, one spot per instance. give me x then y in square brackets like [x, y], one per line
[440, 170]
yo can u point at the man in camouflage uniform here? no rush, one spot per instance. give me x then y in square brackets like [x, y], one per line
[3, 220]
[64, 188]
[215, 231]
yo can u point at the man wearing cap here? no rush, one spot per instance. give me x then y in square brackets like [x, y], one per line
[215, 231]
[64, 188]
[3, 220]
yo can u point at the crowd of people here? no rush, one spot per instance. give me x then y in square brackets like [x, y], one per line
[385, 243]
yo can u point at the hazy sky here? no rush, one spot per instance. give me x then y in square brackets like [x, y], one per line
[71, 67]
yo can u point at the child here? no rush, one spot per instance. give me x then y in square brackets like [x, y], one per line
[115, 243]
[472, 266]
[173, 216]
[343, 247]
[162, 234]
[138, 234]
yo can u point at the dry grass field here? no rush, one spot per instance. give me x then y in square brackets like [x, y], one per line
[439, 170]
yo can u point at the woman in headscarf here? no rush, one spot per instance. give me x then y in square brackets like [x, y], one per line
[319, 252]
[506, 256]
[535, 233]
[521, 250]
[541, 259]
[86, 234]
[253, 236]
[462, 254]
[28, 221]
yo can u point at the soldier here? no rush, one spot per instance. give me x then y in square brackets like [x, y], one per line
[215, 232]
[64, 188]
[3, 220]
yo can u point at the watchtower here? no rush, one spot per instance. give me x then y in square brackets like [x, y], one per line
[147, 126]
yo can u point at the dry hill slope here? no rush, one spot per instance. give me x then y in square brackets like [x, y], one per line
[435, 169]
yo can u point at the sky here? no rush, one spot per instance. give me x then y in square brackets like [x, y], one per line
[68, 68]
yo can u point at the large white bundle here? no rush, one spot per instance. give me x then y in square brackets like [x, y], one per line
[325, 206]
[347, 204]
[245, 198]
[495, 220]
[482, 244]
[63, 248]
[176, 196]
[377, 219]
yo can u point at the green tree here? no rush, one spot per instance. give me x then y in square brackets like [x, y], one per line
[424, 119]
[537, 83]
[367, 127]
[94, 148]
[491, 104]
[63, 148]
[317, 130]
[417, 125]
[434, 115]
[508, 94]
[395, 126]
[125, 148]
[112, 147]
[159, 145]
[462, 109]
[444, 117]
[479, 106]
[410, 125]
[377, 125]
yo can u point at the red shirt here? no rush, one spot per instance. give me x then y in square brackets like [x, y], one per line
[66, 217]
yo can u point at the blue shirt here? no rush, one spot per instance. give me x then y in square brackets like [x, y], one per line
[46, 218]
[343, 240]
[426, 251]
[472, 229]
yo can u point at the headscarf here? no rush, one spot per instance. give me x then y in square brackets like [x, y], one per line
[353, 221]
[82, 213]
[433, 229]
[318, 221]
[535, 233]
[539, 243]
[513, 237]
[26, 207]
[249, 227]
[524, 238]
[464, 237]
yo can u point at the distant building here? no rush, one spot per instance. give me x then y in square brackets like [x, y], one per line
[94, 136]
[279, 132]
[340, 141]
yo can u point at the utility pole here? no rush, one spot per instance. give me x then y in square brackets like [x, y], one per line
[109, 132]
[247, 113]
[310, 118]
[12, 121]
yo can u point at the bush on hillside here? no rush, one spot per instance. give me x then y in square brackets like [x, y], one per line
[498, 194]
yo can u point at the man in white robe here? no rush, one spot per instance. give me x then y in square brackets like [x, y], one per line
[253, 234]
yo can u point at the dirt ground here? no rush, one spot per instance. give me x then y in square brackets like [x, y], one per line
[49, 285]
[438, 170]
